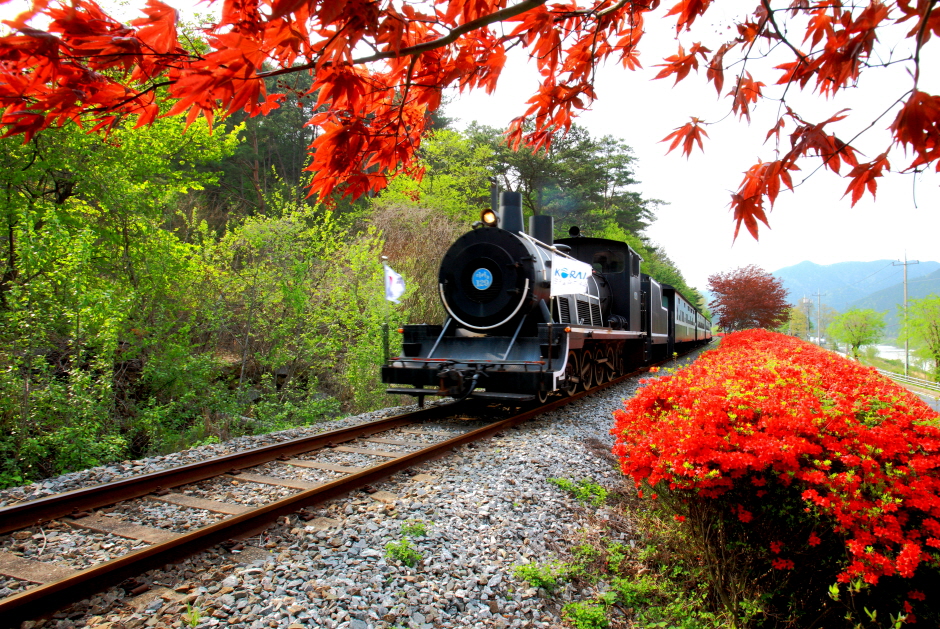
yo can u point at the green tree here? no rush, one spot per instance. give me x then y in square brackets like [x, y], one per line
[857, 327]
[579, 179]
[923, 329]
[299, 307]
[798, 324]
[271, 157]
[95, 290]
[455, 179]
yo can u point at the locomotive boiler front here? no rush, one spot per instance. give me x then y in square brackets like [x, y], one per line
[493, 276]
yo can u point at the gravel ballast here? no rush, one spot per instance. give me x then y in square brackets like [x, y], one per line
[485, 509]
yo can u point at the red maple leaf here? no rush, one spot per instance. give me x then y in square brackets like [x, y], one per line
[687, 135]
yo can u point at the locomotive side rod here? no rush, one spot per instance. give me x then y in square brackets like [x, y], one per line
[49, 597]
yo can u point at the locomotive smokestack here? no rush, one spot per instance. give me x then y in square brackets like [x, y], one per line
[510, 211]
[542, 228]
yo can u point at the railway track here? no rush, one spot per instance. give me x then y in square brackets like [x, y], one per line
[415, 440]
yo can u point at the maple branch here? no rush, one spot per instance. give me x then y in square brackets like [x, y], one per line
[928, 7]
[770, 18]
[118, 105]
[404, 97]
[418, 49]
[855, 137]
[595, 12]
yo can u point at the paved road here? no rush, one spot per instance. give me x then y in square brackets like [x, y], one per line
[932, 402]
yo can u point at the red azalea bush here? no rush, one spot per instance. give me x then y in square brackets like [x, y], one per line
[839, 463]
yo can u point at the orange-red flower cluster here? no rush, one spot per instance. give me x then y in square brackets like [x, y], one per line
[768, 408]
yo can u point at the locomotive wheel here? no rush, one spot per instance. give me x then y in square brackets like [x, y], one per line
[587, 370]
[613, 368]
[572, 369]
[542, 396]
[600, 369]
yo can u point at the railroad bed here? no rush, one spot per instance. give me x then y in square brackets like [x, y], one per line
[485, 509]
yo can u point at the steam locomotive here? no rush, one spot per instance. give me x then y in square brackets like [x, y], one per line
[509, 336]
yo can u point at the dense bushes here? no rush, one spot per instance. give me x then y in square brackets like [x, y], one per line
[128, 327]
[808, 484]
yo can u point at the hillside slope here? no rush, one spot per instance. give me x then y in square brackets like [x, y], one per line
[888, 299]
[845, 283]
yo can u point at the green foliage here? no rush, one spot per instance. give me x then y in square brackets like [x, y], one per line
[414, 528]
[92, 287]
[403, 551]
[193, 616]
[585, 615]
[455, 182]
[798, 324]
[656, 585]
[584, 490]
[579, 179]
[130, 327]
[585, 552]
[546, 576]
[923, 329]
[857, 327]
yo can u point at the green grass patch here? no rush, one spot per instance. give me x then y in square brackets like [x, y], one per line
[586, 491]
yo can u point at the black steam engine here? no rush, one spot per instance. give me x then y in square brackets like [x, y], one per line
[506, 337]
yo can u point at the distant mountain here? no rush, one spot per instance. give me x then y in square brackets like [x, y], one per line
[847, 282]
[888, 299]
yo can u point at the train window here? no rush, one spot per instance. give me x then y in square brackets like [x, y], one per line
[609, 262]
[665, 302]
[636, 265]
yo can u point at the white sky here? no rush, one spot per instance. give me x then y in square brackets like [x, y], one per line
[695, 228]
[815, 223]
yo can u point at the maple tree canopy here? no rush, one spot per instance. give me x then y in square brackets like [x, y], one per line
[748, 297]
[379, 69]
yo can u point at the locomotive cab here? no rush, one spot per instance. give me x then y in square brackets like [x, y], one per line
[619, 268]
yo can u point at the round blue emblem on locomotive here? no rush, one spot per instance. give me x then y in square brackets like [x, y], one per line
[482, 279]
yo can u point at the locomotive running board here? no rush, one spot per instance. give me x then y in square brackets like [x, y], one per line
[409, 391]
[487, 395]
[496, 395]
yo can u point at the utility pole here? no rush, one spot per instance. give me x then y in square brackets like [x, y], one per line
[806, 302]
[907, 343]
[819, 317]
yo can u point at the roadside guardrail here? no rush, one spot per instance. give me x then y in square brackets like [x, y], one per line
[916, 382]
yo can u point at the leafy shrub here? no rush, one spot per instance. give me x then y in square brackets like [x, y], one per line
[792, 468]
[403, 551]
[546, 576]
[585, 615]
[414, 528]
[586, 491]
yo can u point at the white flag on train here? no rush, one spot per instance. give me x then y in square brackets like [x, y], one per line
[394, 285]
[569, 276]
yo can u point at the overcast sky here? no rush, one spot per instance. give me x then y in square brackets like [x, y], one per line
[694, 226]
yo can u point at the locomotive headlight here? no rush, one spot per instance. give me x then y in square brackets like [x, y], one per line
[489, 218]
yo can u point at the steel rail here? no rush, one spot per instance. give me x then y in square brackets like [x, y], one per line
[49, 597]
[35, 512]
